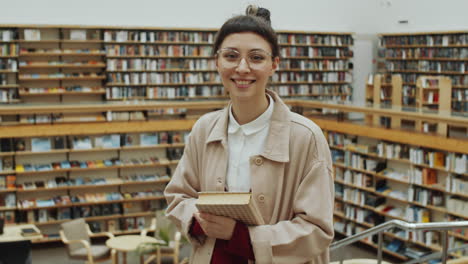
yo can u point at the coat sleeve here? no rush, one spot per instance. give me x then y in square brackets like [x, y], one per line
[181, 192]
[307, 236]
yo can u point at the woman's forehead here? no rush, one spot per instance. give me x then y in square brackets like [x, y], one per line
[246, 41]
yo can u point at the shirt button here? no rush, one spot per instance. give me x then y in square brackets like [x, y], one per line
[261, 198]
[258, 161]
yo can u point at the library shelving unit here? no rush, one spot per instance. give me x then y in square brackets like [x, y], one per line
[428, 53]
[58, 64]
[317, 65]
[115, 181]
[433, 94]
[8, 66]
[384, 90]
[383, 174]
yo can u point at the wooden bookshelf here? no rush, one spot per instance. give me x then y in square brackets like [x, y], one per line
[427, 53]
[385, 91]
[402, 195]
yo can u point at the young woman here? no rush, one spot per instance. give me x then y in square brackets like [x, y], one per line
[255, 144]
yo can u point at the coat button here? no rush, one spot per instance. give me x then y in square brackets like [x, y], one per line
[261, 198]
[258, 161]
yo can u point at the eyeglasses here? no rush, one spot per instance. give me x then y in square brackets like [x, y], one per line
[231, 58]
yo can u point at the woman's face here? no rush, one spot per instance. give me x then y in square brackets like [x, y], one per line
[244, 63]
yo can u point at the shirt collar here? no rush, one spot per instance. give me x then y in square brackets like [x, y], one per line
[254, 126]
[277, 142]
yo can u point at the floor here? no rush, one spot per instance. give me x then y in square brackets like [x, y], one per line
[56, 254]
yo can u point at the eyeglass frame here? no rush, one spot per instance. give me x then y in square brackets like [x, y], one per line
[242, 57]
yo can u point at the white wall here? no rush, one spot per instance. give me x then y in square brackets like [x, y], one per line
[359, 16]
[365, 18]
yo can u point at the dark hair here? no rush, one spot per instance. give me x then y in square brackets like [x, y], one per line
[256, 20]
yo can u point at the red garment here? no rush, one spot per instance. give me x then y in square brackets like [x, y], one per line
[238, 250]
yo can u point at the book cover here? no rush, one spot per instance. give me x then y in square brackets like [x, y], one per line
[237, 205]
[40, 144]
[78, 34]
[32, 34]
[28, 232]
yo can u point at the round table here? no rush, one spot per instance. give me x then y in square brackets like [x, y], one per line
[129, 243]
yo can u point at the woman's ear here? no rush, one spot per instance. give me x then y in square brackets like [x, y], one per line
[275, 65]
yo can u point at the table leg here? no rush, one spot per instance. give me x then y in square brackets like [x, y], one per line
[124, 255]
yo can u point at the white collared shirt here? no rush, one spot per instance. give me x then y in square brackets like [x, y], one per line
[245, 141]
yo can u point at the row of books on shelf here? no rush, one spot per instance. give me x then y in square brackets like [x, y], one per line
[450, 161]
[86, 198]
[7, 96]
[60, 75]
[5, 79]
[7, 35]
[152, 36]
[163, 50]
[44, 144]
[311, 89]
[424, 53]
[322, 39]
[64, 213]
[313, 77]
[159, 64]
[458, 185]
[9, 49]
[89, 164]
[453, 161]
[59, 63]
[75, 88]
[184, 91]
[27, 51]
[429, 40]
[7, 182]
[409, 79]
[162, 78]
[427, 66]
[313, 52]
[9, 64]
[6, 163]
[79, 181]
[314, 64]
[457, 206]
[358, 161]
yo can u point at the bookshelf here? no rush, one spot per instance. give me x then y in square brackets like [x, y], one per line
[60, 64]
[98, 63]
[8, 66]
[380, 177]
[315, 65]
[109, 179]
[433, 94]
[384, 90]
[428, 53]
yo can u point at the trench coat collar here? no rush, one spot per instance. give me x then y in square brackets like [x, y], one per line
[277, 142]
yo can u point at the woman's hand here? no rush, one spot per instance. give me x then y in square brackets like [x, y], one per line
[216, 226]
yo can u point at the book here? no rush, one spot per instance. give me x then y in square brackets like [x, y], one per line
[28, 232]
[32, 34]
[78, 34]
[40, 144]
[237, 205]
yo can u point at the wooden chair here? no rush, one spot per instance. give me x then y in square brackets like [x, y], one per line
[76, 235]
[172, 250]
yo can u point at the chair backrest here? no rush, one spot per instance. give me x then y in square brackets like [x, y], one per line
[75, 230]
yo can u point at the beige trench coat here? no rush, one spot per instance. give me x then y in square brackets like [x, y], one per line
[291, 183]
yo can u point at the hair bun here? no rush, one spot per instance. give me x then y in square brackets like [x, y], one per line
[253, 10]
